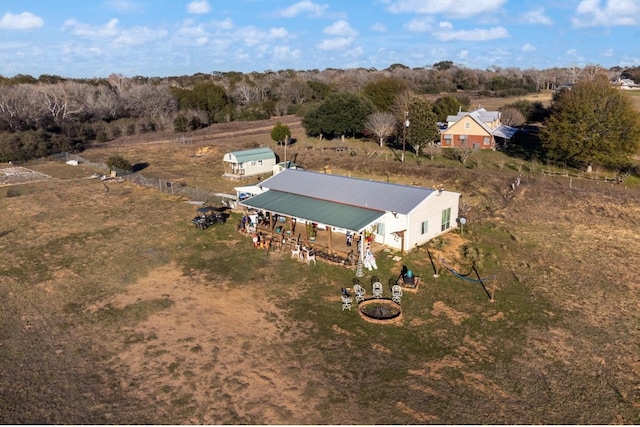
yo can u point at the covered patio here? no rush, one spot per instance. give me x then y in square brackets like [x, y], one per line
[319, 224]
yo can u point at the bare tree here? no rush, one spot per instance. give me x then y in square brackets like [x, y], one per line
[593, 70]
[464, 152]
[148, 100]
[382, 125]
[431, 150]
[20, 107]
[512, 117]
[245, 94]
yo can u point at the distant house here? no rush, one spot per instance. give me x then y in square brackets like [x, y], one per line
[247, 163]
[476, 129]
[397, 216]
[626, 84]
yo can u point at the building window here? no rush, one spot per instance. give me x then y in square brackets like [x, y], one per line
[380, 229]
[259, 162]
[462, 137]
[467, 125]
[486, 140]
[425, 227]
[446, 219]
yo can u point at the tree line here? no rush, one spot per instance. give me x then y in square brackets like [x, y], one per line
[51, 113]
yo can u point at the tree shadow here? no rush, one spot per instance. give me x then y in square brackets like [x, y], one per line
[139, 166]
[525, 146]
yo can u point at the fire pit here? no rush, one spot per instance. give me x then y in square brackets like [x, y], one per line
[380, 310]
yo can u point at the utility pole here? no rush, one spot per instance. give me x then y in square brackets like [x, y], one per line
[404, 133]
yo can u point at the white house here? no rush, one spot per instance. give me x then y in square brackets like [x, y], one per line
[246, 163]
[398, 216]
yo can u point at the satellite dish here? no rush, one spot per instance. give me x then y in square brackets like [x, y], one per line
[463, 220]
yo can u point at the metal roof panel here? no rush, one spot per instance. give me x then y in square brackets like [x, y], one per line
[334, 214]
[362, 193]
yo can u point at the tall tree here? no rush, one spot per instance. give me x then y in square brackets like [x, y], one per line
[337, 116]
[423, 127]
[592, 123]
[382, 93]
[382, 125]
[448, 105]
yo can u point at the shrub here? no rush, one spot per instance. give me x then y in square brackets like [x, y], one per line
[118, 162]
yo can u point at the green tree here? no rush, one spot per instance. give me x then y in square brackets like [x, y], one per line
[382, 93]
[443, 65]
[448, 105]
[181, 124]
[337, 116]
[118, 162]
[592, 123]
[280, 133]
[423, 127]
[206, 97]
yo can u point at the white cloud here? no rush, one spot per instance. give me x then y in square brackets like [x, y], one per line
[446, 25]
[528, 48]
[337, 43]
[22, 21]
[463, 54]
[285, 53]
[590, 13]
[139, 35]
[419, 25]
[110, 29]
[536, 17]
[340, 28]
[199, 7]
[253, 36]
[449, 7]
[124, 6]
[227, 24]
[305, 6]
[379, 27]
[473, 35]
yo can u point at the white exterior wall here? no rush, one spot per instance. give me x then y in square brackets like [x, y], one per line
[430, 210]
[391, 224]
[256, 168]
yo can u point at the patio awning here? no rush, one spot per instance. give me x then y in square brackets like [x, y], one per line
[338, 215]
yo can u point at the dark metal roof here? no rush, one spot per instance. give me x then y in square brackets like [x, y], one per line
[334, 214]
[361, 193]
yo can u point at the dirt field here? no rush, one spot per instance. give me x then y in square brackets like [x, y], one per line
[115, 310]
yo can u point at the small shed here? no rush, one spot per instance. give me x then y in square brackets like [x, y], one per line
[246, 163]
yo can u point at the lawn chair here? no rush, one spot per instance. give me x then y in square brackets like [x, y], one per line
[396, 293]
[377, 287]
[359, 291]
[346, 303]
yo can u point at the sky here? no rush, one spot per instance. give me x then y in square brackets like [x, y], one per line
[162, 38]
